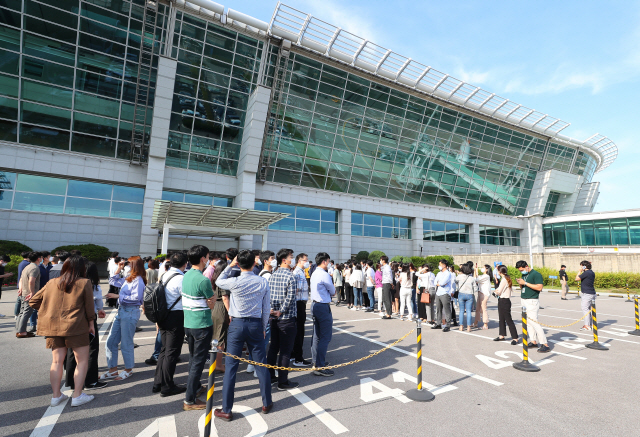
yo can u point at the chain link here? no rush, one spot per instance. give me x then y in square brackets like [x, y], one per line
[553, 326]
[310, 369]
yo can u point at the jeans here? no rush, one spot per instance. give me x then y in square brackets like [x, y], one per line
[17, 306]
[443, 303]
[23, 317]
[301, 318]
[33, 320]
[372, 298]
[283, 334]
[158, 346]
[414, 303]
[122, 332]
[241, 331]
[358, 296]
[199, 341]
[322, 332]
[405, 301]
[172, 337]
[466, 302]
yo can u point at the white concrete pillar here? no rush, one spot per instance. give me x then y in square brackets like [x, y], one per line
[474, 238]
[157, 152]
[344, 234]
[416, 236]
[165, 239]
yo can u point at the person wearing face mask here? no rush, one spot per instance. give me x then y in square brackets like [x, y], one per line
[302, 297]
[587, 279]
[258, 267]
[484, 280]
[531, 284]
[503, 292]
[444, 281]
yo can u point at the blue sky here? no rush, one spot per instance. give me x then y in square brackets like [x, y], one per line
[574, 60]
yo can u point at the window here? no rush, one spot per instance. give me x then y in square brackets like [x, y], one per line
[302, 218]
[25, 192]
[499, 236]
[440, 231]
[552, 203]
[372, 225]
[613, 232]
[201, 199]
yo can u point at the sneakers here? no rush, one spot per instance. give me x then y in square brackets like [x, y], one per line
[251, 368]
[288, 385]
[81, 400]
[96, 385]
[57, 401]
[303, 363]
[354, 309]
[543, 349]
[446, 329]
[325, 372]
[197, 405]
[151, 361]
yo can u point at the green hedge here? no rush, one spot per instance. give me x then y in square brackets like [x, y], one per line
[431, 261]
[363, 255]
[8, 247]
[603, 280]
[376, 255]
[12, 267]
[93, 252]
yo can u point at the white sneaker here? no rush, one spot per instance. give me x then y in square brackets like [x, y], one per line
[276, 373]
[255, 374]
[81, 400]
[57, 401]
[251, 368]
[354, 309]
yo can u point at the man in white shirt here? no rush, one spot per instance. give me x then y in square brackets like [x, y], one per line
[444, 281]
[171, 329]
[331, 268]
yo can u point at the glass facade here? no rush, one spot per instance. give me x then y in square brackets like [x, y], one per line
[552, 203]
[499, 236]
[217, 69]
[200, 199]
[612, 232]
[443, 231]
[302, 218]
[25, 192]
[68, 73]
[372, 225]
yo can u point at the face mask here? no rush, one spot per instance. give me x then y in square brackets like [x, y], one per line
[524, 272]
[259, 262]
[483, 270]
[306, 265]
[441, 268]
[274, 263]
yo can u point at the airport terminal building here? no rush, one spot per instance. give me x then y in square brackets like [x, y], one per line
[148, 126]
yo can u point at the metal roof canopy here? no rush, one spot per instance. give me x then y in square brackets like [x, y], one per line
[192, 219]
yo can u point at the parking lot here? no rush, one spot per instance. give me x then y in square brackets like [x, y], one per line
[577, 392]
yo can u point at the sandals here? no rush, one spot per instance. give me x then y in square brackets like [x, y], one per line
[124, 375]
[486, 326]
[109, 375]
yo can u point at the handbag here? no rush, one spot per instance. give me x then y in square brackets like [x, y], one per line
[425, 298]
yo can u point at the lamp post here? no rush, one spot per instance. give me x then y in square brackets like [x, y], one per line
[529, 232]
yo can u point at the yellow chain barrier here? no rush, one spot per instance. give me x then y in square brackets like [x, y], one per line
[310, 369]
[553, 326]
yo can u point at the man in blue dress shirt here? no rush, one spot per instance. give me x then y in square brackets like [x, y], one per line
[322, 290]
[249, 313]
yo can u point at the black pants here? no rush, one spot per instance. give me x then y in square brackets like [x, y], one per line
[340, 293]
[113, 303]
[348, 289]
[283, 335]
[92, 371]
[387, 293]
[301, 319]
[365, 296]
[504, 314]
[172, 335]
[422, 307]
[453, 314]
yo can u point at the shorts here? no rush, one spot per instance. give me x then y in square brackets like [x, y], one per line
[74, 341]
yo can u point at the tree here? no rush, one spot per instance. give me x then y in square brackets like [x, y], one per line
[93, 252]
[8, 247]
[376, 255]
[363, 255]
[396, 259]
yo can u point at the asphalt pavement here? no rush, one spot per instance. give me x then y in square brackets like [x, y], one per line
[578, 391]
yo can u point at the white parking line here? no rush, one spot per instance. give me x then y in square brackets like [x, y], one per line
[327, 419]
[50, 417]
[428, 360]
[107, 324]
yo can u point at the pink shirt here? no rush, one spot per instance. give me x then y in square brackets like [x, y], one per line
[208, 272]
[378, 279]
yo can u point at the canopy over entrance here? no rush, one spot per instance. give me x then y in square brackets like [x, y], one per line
[190, 219]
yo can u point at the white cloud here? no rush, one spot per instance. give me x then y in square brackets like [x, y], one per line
[353, 19]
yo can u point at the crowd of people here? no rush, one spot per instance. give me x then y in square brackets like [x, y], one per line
[253, 300]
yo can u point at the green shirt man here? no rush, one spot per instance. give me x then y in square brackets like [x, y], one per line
[533, 278]
[196, 289]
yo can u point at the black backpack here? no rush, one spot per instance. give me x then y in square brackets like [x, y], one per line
[155, 301]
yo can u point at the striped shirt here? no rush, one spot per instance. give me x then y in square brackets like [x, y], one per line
[196, 289]
[283, 293]
[249, 295]
[302, 287]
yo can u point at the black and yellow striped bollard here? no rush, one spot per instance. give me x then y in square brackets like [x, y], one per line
[213, 354]
[637, 331]
[419, 394]
[628, 298]
[595, 345]
[525, 365]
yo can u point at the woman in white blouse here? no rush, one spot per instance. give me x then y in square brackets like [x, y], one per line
[406, 282]
[357, 282]
[484, 283]
[503, 292]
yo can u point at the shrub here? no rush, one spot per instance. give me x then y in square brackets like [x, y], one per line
[93, 252]
[12, 267]
[376, 255]
[396, 259]
[8, 247]
[363, 255]
[162, 255]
